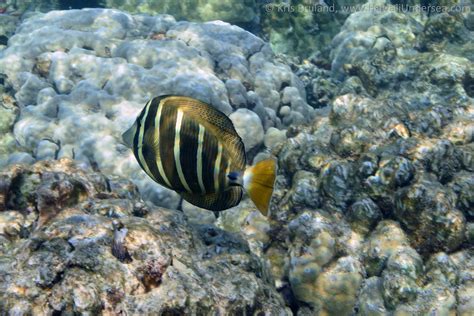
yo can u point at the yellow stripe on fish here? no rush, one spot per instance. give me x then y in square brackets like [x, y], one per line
[158, 162]
[141, 158]
[199, 158]
[177, 151]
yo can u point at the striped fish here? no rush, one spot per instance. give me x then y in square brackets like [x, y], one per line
[193, 149]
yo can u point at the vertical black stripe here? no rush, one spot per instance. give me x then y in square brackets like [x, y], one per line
[148, 148]
[223, 168]
[189, 146]
[136, 140]
[167, 132]
[226, 199]
[150, 119]
[233, 197]
[209, 155]
[149, 154]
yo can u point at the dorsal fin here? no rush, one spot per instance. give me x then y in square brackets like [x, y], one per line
[203, 113]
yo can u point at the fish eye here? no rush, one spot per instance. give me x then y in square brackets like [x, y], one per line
[233, 176]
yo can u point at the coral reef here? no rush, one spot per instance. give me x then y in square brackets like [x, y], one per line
[294, 27]
[58, 227]
[8, 115]
[373, 194]
[302, 27]
[372, 212]
[81, 77]
[335, 205]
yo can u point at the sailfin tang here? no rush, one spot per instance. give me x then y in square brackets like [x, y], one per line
[259, 181]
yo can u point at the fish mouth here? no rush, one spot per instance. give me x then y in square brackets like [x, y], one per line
[235, 179]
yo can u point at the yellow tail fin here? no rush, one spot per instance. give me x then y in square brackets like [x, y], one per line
[258, 181]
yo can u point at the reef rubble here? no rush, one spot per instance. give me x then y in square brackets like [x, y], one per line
[59, 224]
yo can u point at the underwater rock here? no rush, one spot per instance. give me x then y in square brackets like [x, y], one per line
[18, 7]
[197, 215]
[273, 137]
[237, 93]
[463, 185]
[305, 191]
[427, 211]
[367, 33]
[20, 158]
[320, 87]
[448, 32]
[439, 289]
[386, 166]
[11, 223]
[387, 239]
[337, 288]
[246, 220]
[371, 302]
[7, 28]
[380, 161]
[399, 278]
[312, 249]
[440, 157]
[465, 291]
[336, 183]
[46, 150]
[249, 127]
[299, 27]
[8, 115]
[81, 77]
[364, 215]
[64, 261]
[441, 269]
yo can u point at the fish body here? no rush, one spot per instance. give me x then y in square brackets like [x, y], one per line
[192, 148]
